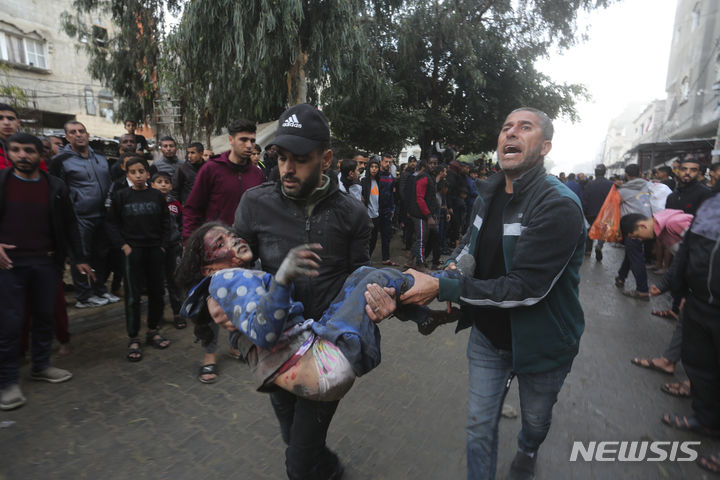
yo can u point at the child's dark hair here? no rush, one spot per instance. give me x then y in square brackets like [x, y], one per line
[135, 159]
[188, 273]
[629, 223]
[161, 174]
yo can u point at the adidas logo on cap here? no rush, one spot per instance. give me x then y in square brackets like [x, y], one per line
[292, 121]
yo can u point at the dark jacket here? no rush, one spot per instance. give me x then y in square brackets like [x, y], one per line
[272, 224]
[696, 266]
[65, 233]
[594, 196]
[183, 181]
[457, 185]
[421, 200]
[386, 186]
[688, 197]
[218, 188]
[543, 247]
[139, 218]
[87, 179]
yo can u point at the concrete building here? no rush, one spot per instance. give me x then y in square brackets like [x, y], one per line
[43, 61]
[620, 137]
[692, 107]
[693, 78]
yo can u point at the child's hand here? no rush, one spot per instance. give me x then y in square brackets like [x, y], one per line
[127, 249]
[300, 261]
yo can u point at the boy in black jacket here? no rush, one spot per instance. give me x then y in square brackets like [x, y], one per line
[138, 223]
[162, 182]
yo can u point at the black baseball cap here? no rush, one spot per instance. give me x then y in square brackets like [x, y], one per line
[301, 129]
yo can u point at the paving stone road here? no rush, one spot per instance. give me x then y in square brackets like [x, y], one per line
[404, 420]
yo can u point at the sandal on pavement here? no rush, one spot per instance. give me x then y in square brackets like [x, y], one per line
[390, 263]
[711, 463]
[134, 353]
[637, 295]
[665, 314]
[179, 322]
[619, 282]
[650, 365]
[677, 389]
[156, 340]
[209, 369]
[689, 424]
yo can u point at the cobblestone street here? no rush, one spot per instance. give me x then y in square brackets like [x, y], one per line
[404, 420]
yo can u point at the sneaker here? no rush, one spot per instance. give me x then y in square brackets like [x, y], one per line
[11, 397]
[598, 254]
[92, 302]
[110, 297]
[522, 467]
[52, 375]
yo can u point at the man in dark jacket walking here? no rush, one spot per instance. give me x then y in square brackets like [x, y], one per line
[592, 200]
[222, 181]
[522, 300]
[305, 207]
[31, 255]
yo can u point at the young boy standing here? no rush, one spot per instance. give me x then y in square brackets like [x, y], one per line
[138, 223]
[161, 181]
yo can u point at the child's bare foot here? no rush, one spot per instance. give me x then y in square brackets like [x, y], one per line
[208, 371]
[64, 349]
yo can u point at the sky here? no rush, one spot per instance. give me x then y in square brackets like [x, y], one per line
[623, 61]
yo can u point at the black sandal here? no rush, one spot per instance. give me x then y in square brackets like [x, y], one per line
[180, 322]
[209, 369]
[134, 354]
[156, 340]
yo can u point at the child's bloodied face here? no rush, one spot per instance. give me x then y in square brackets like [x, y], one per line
[224, 249]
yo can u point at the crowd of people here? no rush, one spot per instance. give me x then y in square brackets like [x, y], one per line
[274, 245]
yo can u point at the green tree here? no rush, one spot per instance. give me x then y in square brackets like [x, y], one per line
[125, 60]
[9, 91]
[454, 69]
[253, 58]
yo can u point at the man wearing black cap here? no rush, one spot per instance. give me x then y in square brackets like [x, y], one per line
[305, 207]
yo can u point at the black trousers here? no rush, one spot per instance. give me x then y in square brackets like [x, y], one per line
[96, 246]
[701, 358]
[144, 266]
[37, 282]
[304, 424]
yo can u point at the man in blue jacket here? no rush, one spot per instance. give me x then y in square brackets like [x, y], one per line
[527, 240]
[87, 176]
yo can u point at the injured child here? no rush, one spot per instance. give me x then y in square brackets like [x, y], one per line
[315, 359]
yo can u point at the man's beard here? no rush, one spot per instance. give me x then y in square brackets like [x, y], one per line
[24, 166]
[306, 187]
[531, 159]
